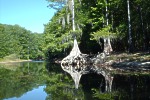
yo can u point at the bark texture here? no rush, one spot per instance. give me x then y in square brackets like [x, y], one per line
[77, 58]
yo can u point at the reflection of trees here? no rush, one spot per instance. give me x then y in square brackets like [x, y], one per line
[59, 86]
[23, 79]
[134, 86]
[77, 71]
[107, 75]
[127, 87]
[91, 77]
[100, 80]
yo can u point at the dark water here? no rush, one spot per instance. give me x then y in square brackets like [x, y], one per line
[43, 81]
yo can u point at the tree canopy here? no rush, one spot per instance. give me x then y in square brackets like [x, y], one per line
[21, 42]
[95, 20]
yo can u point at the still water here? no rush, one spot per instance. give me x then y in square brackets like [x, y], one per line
[44, 81]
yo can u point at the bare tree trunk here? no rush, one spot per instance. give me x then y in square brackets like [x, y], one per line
[129, 27]
[106, 13]
[73, 23]
[110, 47]
[107, 44]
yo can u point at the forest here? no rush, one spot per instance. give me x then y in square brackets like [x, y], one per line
[19, 43]
[124, 22]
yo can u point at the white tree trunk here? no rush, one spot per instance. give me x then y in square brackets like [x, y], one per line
[76, 57]
[107, 46]
[73, 23]
[129, 26]
[75, 52]
[106, 14]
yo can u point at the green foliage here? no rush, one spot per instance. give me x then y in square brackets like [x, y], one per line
[21, 42]
[61, 87]
[58, 33]
[102, 33]
[94, 21]
[36, 46]
[96, 16]
[108, 95]
[11, 57]
[20, 78]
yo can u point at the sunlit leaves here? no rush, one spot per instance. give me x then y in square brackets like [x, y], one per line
[17, 40]
[102, 33]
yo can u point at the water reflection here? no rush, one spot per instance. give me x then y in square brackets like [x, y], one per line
[23, 80]
[77, 71]
[16, 79]
[35, 94]
[102, 84]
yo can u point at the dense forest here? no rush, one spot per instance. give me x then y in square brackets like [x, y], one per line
[124, 22]
[20, 43]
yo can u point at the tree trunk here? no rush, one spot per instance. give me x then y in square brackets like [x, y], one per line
[129, 28]
[76, 57]
[107, 46]
[73, 23]
[106, 13]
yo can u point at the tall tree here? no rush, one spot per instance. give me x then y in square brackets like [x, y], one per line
[73, 17]
[129, 28]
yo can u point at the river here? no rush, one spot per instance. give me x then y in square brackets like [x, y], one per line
[46, 81]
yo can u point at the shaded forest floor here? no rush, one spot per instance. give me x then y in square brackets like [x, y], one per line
[125, 62]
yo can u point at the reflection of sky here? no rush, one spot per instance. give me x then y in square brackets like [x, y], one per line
[35, 94]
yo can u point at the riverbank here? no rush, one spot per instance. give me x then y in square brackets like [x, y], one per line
[128, 62]
[13, 61]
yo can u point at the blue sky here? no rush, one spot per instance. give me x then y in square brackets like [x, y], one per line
[30, 14]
